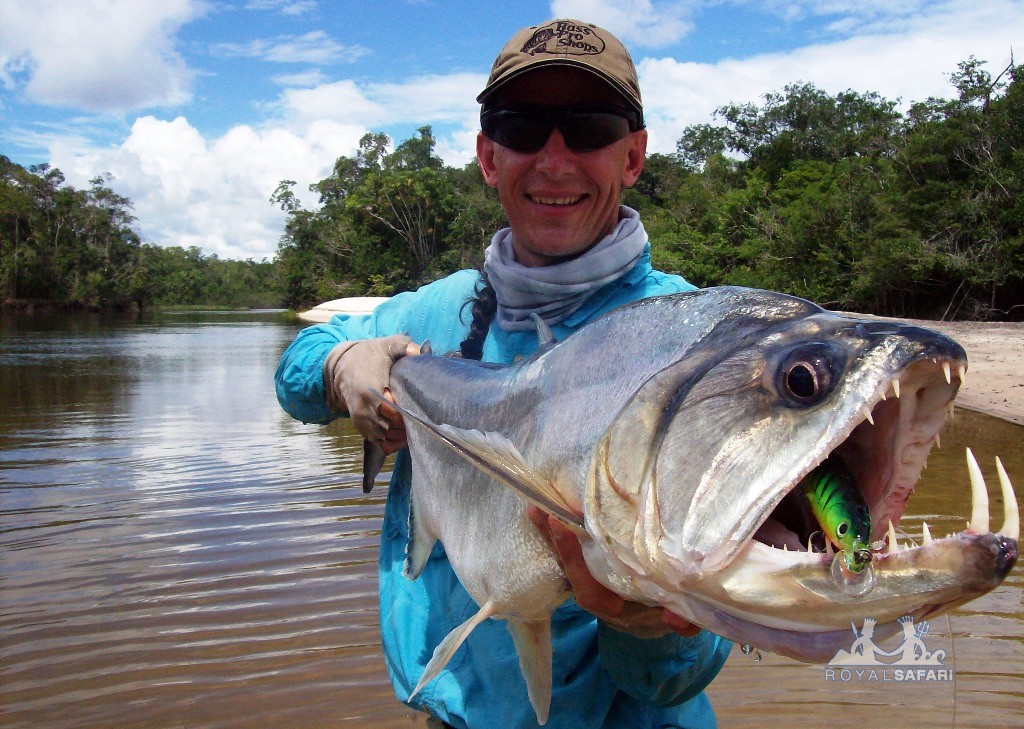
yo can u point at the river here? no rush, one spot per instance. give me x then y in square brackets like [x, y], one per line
[175, 551]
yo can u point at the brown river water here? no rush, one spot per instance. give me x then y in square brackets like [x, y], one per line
[175, 551]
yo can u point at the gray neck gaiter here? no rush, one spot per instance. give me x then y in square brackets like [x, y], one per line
[555, 292]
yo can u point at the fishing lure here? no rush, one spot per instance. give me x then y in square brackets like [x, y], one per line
[845, 520]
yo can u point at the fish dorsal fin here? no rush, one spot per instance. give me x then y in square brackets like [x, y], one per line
[545, 338]
[498, 457]
[533, 644]
[373, 461]
[444, 652]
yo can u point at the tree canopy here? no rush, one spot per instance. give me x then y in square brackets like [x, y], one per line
[850, 199]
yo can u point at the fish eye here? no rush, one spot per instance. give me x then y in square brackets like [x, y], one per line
[842, 529]
[801, 380]
[809, 372]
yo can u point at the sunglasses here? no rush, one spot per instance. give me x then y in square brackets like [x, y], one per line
[584, 127]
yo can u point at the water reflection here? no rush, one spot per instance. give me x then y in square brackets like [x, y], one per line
[176, 551]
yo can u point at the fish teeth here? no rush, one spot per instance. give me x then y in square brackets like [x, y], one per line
[1011, 519]
[946, 372]
[927, 535]
[896, 388]
[962, 374]
[867, 414]
[894, 546]
[938, 442]
[979, 497]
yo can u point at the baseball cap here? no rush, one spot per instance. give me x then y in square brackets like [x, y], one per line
[571, 43]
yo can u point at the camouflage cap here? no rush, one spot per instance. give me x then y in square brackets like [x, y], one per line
[572, 43]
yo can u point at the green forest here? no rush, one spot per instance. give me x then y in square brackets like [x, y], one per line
[851, 200]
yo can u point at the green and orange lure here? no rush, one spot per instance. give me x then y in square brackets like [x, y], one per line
[845, 520]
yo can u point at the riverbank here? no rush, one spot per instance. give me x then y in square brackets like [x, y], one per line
[995, 373]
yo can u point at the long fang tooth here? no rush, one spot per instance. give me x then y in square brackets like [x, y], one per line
[938, 443]
[979, 497]
[946, 372]
[896, 388]
[927, 535]
[810, 548]
[894, 546]
[1011, 520]
[962, 374]
[950, 410]
[867, 414]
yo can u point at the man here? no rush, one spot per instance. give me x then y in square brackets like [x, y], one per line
[562, 135]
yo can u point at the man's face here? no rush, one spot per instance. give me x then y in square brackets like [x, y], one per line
[559, 202]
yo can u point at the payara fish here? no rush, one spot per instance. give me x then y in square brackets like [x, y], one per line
[674, 435]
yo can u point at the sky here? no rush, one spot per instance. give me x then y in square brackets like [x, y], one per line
[197, 109]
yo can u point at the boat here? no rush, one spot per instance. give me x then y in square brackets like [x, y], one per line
[351, 306]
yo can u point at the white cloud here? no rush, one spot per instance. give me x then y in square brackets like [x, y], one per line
[314, 47]
[96, 55]
[215, 193]
[637, 23]
[311, 77]
[285, 7]
[910, 62]
[425, 99]
[850, 10]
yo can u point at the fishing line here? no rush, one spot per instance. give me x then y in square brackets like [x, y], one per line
[952, 654]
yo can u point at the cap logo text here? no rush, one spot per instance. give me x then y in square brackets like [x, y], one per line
[564, 38]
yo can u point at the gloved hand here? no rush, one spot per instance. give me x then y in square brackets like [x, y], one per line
[352, 369]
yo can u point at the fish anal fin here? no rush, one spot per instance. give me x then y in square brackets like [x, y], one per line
[498, 457]
[446, 649]
[533, 644]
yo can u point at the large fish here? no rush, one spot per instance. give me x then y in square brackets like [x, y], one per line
[672, 435]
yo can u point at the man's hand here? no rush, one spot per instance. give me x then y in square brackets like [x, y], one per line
[351, 370]
[624, 615]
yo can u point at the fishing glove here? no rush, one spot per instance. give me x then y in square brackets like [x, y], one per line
[351, 370]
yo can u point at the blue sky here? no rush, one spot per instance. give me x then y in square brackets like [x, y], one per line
[198, 109]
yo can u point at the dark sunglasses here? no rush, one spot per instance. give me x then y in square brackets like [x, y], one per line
[584, 127]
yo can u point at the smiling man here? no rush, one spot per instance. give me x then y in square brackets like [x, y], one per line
[562, 133]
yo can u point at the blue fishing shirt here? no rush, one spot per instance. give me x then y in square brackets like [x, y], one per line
[600, 677]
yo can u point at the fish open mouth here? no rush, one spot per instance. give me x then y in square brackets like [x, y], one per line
[885, 449]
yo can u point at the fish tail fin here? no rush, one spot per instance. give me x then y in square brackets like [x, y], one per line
[444, 652]
[533, 644]
[373, 461]
[417, 551]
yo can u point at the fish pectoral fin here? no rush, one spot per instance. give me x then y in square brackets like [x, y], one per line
[533, 644]
[444, 652]
[498, 457]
